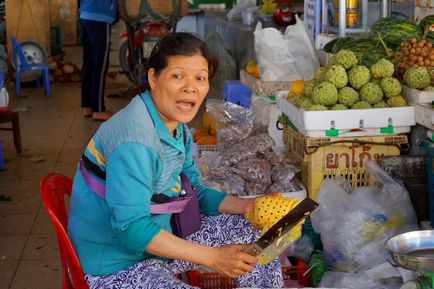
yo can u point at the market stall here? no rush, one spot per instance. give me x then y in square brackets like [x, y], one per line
[347, 126]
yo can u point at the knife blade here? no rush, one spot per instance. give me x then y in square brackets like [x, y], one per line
[284, 225]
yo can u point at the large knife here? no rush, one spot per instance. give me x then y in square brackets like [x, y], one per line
[283, 226]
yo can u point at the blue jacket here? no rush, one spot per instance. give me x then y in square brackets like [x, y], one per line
[140, 158]
[99, 10]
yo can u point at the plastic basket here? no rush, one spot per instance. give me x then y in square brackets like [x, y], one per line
[322, 157]
[430, 174]
[411, 169]
[203, 150]
[265, 88]
[212, 280]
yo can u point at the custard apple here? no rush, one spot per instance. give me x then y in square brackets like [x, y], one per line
[381, 104]
[332, 60]
[325, 93]
[361, 105]
[346, 58]
[371, 93]
[338, 106]
[308, 87]
[304, 102]
[348, 96]
[390, 86]
[337, 75]
[358, 76]
[417, 77]
[382, 68]
[317, 107]
[396, 101]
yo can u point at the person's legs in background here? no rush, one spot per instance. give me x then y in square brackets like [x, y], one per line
[86, 73]
[98, 49]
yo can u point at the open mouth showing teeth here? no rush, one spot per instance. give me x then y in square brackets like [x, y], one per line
[185, 105]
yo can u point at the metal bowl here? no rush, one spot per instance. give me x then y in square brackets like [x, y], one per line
[413, 250]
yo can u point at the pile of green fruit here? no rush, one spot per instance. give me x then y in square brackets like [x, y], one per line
[345, 84]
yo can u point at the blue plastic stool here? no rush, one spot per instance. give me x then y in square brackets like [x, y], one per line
[236, 92]
[24, 66]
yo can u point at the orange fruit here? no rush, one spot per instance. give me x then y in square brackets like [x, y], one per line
[252, 67]
[297, 86]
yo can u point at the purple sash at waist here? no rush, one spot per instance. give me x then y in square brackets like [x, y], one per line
[175, 205]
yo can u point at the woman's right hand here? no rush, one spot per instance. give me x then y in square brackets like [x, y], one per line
[231, 261]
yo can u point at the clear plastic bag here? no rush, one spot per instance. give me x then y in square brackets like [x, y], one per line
[354, 226]
[234, 122]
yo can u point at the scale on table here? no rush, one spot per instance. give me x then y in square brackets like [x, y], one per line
[414, 251]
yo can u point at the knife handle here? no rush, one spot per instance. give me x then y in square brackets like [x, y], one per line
[253, 250]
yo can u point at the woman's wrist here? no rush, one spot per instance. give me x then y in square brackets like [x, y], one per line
[236, 205]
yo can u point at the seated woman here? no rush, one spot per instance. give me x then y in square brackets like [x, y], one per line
[141, 152]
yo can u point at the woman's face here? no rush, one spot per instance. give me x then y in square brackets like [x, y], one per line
[179, 89]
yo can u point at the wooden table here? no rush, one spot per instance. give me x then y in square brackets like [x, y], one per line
[13, 117]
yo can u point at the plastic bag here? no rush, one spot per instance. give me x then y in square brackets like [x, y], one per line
[234, 122]
[354, 226]
[348, 280]
[285, 57]
[242, 5]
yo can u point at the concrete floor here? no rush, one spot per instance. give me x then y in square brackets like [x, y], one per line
[54, 134]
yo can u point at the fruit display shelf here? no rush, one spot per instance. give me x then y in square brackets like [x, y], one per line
[347, 123]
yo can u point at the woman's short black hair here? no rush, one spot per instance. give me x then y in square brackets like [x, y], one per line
[180, 43]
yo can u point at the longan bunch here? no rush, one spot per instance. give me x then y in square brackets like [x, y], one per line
[414, 52]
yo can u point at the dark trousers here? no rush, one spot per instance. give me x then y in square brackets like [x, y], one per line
[95, 38]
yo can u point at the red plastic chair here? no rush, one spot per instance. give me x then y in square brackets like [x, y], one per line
[54, 187]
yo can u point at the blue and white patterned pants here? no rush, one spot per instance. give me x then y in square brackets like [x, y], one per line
[215, 231]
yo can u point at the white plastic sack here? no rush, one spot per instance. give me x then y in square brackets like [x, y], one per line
[285, 57]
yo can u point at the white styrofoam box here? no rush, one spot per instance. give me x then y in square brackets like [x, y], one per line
[273, 131]
[322, 39]
[418, 96]
[351, 122]
[424, 115]
[323, 57]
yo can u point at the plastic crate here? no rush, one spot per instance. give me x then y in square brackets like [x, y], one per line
[411, 169]
[430, 173]
[203, 150]
[330, 156]
[236, 92]
[212, 280]
[264, 88]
